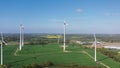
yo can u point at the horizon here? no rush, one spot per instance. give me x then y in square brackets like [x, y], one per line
[69, 33]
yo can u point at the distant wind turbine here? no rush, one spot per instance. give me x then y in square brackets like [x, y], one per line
[22, 27]
[95, 43]
[58, 36]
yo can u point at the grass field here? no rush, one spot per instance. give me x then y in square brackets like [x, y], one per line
[108, 61]
[39, 54]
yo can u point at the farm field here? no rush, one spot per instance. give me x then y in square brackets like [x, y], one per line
[37, 54]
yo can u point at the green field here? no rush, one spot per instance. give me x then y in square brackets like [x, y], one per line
[38, 54]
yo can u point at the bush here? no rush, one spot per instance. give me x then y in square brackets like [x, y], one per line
[1, 66]
[33, 66]
[110, 53]
[5, 66]
[73, 65]
[48, 63]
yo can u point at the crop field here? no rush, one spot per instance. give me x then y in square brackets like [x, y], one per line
[37, 54]
[54, 36]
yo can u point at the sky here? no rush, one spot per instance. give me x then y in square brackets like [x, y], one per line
[48, 16]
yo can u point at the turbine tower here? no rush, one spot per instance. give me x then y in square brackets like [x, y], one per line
[2, 44]
[95, 42]
[1, 49]
[22, 28]
[21, 37]
[64, 36]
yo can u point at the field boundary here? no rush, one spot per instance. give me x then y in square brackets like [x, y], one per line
[93, 59]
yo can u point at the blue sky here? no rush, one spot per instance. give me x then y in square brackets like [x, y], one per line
[47, 16]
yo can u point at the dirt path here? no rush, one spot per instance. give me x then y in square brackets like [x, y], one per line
[93, 59]
[15, 53]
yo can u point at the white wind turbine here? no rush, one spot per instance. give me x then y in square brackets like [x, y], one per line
[2, 44]
[95, 43]
[21, 37]
[64, 46]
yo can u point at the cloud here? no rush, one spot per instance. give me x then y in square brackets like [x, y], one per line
[79, 10]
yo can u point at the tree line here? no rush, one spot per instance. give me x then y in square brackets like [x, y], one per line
[110, 53]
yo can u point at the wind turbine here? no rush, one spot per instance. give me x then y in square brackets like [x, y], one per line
[58, 36]
[95, 43]
[21, 37]
[2, 44]
[64, 46]
[22, 28]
